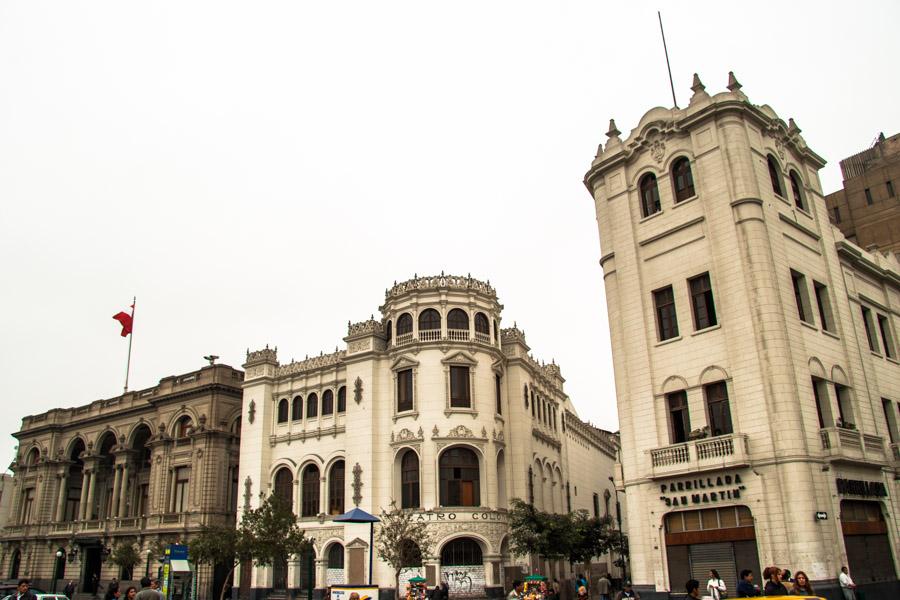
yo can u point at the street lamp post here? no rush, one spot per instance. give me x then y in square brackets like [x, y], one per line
[59, 555]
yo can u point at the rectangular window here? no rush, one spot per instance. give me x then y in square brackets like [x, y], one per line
[823, 407]
[459, 388]
[890, 419]
[868, 197]
[719, 411]
[824, 305]
[27, 505]
[666, 319]
[837, 214]
[180, 498]
[890, 188]
[869, 324]
[845, 410]
[596, 505]
[404, 390]
[702, 301]
[801, 296]
[679, 418]
[497, 387]
[73, 501]
[887, 340]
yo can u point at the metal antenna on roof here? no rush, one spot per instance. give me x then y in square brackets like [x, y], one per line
[668, 66]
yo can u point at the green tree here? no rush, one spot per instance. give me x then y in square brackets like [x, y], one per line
[527, 529]
[402, 540]
[264, 535]
[591, 536]
[125, 555]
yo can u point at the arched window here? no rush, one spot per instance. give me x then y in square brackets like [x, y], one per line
[342, 399]
[297, 408]
[312, 406]
[796, 186]
[460, 481]
[525, 390]
[458, 319]
[683, 179]
[183, 426]
[775, 175]
[327, 402]
[461, 552]
[310, 504]
[32, 457]
[482, 325]
[284, 486]
[283, 410]
[533, 409]
[336, 489]
[409, 480]
[496, 331]
[429, 319]
[649, 195]
[14, 564]
[335, 556]
[404, 324]
[388, 333]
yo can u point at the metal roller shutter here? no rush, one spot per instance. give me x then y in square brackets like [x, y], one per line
[719, 556]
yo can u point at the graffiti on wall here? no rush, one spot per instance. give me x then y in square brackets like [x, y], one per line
[465, 580]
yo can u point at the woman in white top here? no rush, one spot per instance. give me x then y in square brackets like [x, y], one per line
[715, 586]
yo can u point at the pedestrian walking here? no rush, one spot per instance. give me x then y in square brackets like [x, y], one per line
[745, 587]
[628, 592]
[69, 590]
[603, 585]
[774, 587]
[715, 586]
[802, 587]
[848, 588]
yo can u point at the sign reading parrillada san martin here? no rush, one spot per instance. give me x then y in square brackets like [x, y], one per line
[702, 490]
[436, 516]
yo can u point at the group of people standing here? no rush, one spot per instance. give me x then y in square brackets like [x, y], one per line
[778, 582]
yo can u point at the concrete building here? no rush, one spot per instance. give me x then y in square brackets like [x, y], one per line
[145, 468]
[5, 498]
[867, 209]
[435, 407]
[754, 350]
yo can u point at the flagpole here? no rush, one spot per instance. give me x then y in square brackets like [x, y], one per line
[130, 338]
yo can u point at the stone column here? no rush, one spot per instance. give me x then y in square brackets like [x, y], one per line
[321, 572]
[83, 500]
[123, 492]
[92, 486]
[61, 498]
[114, 500]
[323, 494]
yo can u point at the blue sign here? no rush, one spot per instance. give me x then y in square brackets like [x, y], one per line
[177, 552]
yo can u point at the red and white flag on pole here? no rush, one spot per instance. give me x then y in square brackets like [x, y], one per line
[126, 321]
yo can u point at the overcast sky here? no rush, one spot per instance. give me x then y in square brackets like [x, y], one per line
[260, 172]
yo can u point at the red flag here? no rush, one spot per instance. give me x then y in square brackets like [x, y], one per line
[126, 320]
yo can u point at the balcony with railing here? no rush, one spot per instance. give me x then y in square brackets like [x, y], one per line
[720, 452]
[429, 335]
[851, 445]
[458, 335]
[404, 338]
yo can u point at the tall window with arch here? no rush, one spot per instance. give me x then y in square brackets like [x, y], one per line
[310, 493]
[409, 480]
[283, 410]
[283, 487]
[327, 402]
[342, 399]
[459, 478]
[775, 175]
[312, 406]
[797, 189]
[183, 427]
[404, 327]
[682, 179]
[429, 325]
[482, 328]
[336, 488]
[297, 408]
[649, 195]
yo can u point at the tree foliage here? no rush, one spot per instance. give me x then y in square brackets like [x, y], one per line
[402, 540]
[125, 555]
[264, 535]
[576, 536]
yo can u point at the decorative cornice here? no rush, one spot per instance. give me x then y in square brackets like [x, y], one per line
[369, 327]
[311, 364]
[441, 282]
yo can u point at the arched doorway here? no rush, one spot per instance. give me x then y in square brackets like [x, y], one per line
[15, 563]
[462, 567]
[712, 538]
[869, 555]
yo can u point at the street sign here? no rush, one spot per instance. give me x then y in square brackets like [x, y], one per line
[821, 516]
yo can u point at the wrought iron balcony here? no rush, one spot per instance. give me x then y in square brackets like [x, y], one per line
[723, 451]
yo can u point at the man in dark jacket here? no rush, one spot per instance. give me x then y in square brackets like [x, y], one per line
[23, 591]
[745, 587]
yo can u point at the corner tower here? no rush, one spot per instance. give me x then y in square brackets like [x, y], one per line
[734, 332]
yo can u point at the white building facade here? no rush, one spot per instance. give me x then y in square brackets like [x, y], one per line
[434, 407]
[755, 354]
